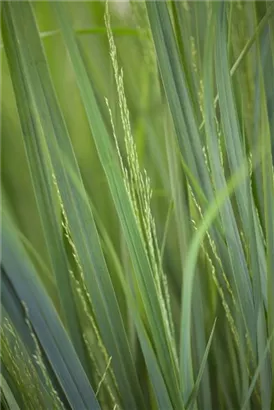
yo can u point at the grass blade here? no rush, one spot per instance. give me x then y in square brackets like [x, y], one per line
[41, 176]
[134, 241]
[47, 326]
[80, 221]
[8, 395]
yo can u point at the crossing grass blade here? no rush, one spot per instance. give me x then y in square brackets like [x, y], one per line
[257, 372]
[190, 267]
[194, 393]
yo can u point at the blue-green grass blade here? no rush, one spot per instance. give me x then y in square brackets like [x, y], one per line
[257, 372]
[52, 336]
[265, 82]
[236, 154]
[23, 368]
[8, 395]
[177, 92]
[241, 282]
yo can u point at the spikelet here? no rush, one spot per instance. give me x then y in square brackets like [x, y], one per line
[56, 402]
[138, 187]
[193, 54]
[220, 290]
[21, 369]
[213, 248]
[219, 136]
[201, 99]
[141, 20]
[85, 307]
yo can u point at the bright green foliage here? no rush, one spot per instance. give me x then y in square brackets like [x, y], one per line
[137, 205]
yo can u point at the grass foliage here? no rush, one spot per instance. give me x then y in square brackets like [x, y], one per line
[137, 266]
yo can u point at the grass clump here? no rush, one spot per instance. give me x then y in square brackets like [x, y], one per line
[138, 236]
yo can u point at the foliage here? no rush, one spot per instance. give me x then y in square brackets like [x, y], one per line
[137, 205]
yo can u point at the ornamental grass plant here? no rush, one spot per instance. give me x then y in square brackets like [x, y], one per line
[137, 197]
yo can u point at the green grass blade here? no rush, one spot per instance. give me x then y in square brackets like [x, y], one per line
[124, 209]
[80, 220]
[41, 173]
[190, 267]
[194, 393]
[268, 191]
[154, 371]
